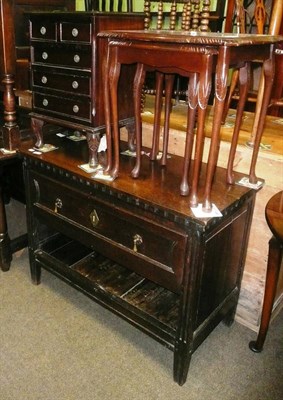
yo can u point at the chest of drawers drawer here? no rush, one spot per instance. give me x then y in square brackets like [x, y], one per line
[43, 30]
[70, 56]
[76, 108]
[152, 249]
[48, 79]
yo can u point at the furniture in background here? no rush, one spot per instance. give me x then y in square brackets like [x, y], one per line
[194, 17]
[180, 15]
[188, 53]
[13, 53]
[137, 249]
[267, 18]
[275, 26]
[274, 219]
[66, 71]
[109, 5]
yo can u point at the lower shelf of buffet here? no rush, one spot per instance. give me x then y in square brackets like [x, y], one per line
[145, 304]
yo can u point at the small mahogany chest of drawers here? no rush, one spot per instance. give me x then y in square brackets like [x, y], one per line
[66, 71]
[135, 247]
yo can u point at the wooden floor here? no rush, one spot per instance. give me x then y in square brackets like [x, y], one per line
[272, 140]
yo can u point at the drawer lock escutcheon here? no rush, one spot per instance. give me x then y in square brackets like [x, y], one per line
[58, 205]
[94, 218]
[137, 241]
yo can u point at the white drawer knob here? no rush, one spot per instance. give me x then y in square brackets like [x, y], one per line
[45, 102]
[75, 84]
[75, 32]
[44, 55]
[76, 109]
[43, 30]
[77, 58]
[44, 79]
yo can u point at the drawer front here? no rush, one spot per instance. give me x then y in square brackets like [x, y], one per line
[75, 84]
[45, 30]
[68, 56]
[76, 108]
[151, 249]
[75, 32]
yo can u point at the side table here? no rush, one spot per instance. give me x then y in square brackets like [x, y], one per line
[274, 218]
[188, 53]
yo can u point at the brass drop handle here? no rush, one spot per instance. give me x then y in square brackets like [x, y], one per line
[137, 241]
[58, 205]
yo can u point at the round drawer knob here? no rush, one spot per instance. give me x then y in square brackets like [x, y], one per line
[75, 84]
[44, 79]
[44, 55]
[45, 102]
[43, 30]
[75, 32]
[76, 109]
[77, 58]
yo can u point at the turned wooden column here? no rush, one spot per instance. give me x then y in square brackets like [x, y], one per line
[10, 129]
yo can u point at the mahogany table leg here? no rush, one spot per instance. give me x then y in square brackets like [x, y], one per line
[268, 72]
[5, 248]
[192, 107]
[220, 95]
[272, 274]
[114, 73]
[157, 115]
[107, 112]
[204, 89]
[138, 85]
[193, 199]
[244, 79]
[169, 82]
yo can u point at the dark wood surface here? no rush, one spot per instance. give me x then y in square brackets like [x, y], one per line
[274, 219]
[134, 245]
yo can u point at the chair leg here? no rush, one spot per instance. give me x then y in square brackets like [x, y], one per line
[272, 274]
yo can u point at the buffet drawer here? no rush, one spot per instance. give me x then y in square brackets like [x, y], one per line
[60, 80]
[71, 56]
[76, 108]
[152, 249]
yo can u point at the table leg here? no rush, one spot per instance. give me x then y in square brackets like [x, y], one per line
[268, 73]
[272, 274]
[5, 248]
[192, 107]
[107, 112]
[169, 82]
[138, 85]
[114, 73]
[244, 81]
[157, 115]
[220, 95]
